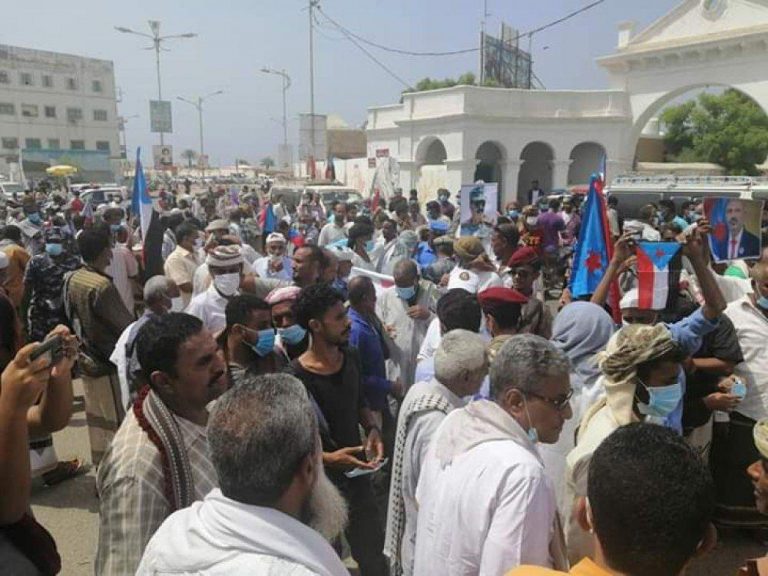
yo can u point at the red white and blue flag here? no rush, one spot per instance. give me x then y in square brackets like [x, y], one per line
[653, 260]
[141, 202]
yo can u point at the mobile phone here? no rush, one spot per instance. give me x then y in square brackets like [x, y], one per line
[355, 472]
[53, 348]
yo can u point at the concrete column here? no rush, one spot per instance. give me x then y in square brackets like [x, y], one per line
[559, 173]
[409, 175]
[511, 175]
[460, 172]
[617, 167]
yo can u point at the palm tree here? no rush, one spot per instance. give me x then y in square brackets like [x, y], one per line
[189, 155]
[267, 162]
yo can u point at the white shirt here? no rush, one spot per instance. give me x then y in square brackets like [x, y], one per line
[122, 268]
[201, 280]
[261, 268]
[490, 510]
[221, 537]
[752, 330]
[209, 307]
[330, 234]
[431, 341]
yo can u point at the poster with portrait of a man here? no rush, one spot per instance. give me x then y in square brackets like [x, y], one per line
[478, 208]
[735, 228]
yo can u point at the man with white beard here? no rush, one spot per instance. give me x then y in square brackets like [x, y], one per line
[275, 508]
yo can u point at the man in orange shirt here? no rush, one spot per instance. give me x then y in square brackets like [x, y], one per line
[649, 506]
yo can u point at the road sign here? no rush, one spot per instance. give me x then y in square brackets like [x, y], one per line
[160, 119]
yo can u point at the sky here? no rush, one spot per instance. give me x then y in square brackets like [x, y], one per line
[239, 37]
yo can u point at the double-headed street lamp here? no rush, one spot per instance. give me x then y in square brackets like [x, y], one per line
[198, 103]
[157, 42]
[286, 85]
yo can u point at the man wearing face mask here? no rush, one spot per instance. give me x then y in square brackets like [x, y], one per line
[43, 283]
[483, 471]
[292, 339]
[750, 319]
[32, 230]
[159, 291]
[405, 310]
[275, 264]
[183, 262]
[225, 264]
[248, 341]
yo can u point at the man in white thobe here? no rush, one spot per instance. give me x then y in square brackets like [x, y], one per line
[485, 502]
[275, 508]
[405, 310]
[460, 366]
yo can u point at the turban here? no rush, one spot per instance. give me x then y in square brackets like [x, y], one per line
[284, 294]
[275, 237]
[219, 224]
[629, 347]
[760, 433]
[467, 248]
[224, 257]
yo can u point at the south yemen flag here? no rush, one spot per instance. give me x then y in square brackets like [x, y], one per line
[653, 273]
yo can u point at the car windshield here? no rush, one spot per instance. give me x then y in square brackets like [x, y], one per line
[11, 189]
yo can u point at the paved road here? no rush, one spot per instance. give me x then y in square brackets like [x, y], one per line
[70, 512]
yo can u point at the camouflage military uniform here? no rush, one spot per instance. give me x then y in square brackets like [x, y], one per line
[44, 280]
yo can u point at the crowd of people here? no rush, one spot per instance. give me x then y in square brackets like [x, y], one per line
[299, 382]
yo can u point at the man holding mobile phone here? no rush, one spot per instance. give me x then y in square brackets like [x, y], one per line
[332, 374]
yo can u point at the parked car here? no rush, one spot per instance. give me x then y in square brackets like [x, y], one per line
[330, 194]
[11, 189]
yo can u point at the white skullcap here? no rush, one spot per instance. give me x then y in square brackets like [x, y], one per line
[4, 260]
[630, 300]
[276, 237]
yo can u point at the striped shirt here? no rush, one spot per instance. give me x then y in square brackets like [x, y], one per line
[131, 484]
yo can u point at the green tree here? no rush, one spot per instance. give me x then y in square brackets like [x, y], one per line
[190, 156]
[267, 162]
[729, 129]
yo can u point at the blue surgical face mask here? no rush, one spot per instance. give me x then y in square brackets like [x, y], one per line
[513, 214]
[762, 301]
[406, 293]
[54, 249]
[533, 434]
[266, 342]
[292, 335]
[662, 400]
[370, 245]
[34, 218]
[115, 228]
[739, 388]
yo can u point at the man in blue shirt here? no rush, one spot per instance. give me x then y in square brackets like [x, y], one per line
[366, 334]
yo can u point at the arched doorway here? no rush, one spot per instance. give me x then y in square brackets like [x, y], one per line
[666, 145]
[537, 166]
[586, 159]
[490, 157]
[432, 171]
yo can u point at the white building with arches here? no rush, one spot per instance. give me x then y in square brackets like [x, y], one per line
[457, 135]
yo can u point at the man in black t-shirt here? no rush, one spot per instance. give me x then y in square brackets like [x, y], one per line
[331, 373]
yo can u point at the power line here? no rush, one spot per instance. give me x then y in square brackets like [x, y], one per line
[351, 34]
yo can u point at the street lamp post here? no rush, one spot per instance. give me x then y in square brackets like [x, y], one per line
[122, 121]
[157, 42]
[286, 85]
[198, 104]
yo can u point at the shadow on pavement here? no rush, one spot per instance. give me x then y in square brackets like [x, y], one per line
[78, 492]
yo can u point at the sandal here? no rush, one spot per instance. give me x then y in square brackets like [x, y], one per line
[64, 471]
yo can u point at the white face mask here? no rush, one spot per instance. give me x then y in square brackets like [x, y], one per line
[227, 284]
[532, 221]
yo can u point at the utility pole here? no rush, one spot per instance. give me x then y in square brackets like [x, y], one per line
[482, 42]
[198, 104]
[157, 41]
[312, 4]
[286, 84]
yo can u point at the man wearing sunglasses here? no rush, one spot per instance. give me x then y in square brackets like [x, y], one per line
[483, 471]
